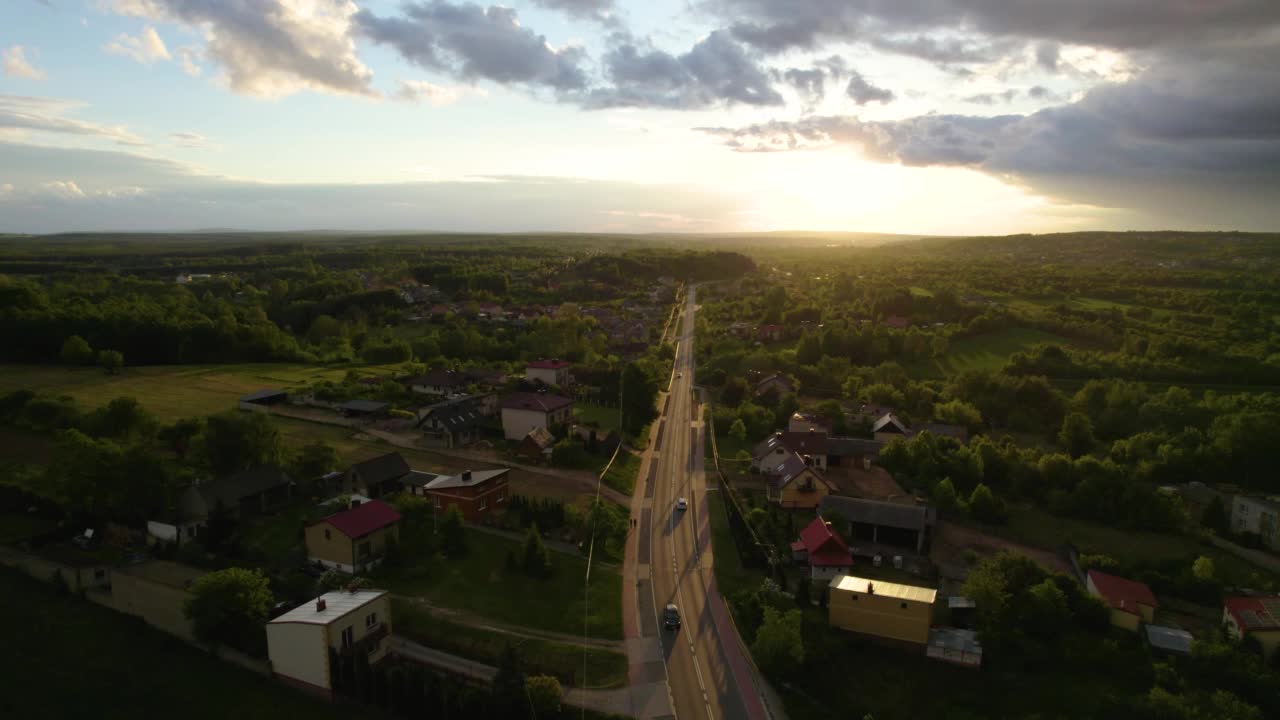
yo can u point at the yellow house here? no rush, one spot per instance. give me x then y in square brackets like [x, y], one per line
[353, 540]
[299, 643]
[794, 484]
[1256, 617]
[883, 609]
[1131, 602]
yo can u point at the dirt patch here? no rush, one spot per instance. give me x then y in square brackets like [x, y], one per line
[952, 540]
[873, 484]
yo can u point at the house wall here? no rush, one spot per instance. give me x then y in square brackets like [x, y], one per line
[547, 375]
[158, 604]
[516, 423]
[828, 572]
[793, 497]
[1254, 515]
[299, 652]
[491, 496]
[335, 550]
[1126, 620]
[880, 615]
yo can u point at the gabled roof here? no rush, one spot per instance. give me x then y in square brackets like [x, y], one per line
[452, 415]
[1169, 639]
[541, 437]
[364, 406]
[470, 478]
[541, 402]
[825, 548]
[382, 468]
[1122, 593]
[844, 447]
[877, 512]
[363, 519]
[865, 586]
[809, 442]
[549, 364]
[776, 378]
[889, 423]
[230, 489]
[792, 467]
[1254, 613]
[439, 377]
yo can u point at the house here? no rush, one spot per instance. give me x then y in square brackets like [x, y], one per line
[418, 480]
[1256, 617]
[881, 609]
[1197, 496]
[777, 383]
[955, 645]
[874, 411]
[485, 377]
[524, 411]
[262, 400]
[243, 494]
[1167, 640]
[804, 422]
[852, 452]
[156, 591]
[453, 423]
[537, 445]
[795, 485]
[364, 409]
[897, 322]
[959, 432]
[377, 477]
[810, 445]
[475, 492]
[353, 540]
[549, 372]
[769, 333]
[439, 382]
[889, 427]
[304, 643]
[823, 550]
[879, 527]
[1259, 516]
[1131, 602]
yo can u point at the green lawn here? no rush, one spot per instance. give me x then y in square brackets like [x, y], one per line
[983, 352]
[605, 668]
[622, 473]
[592, 415]
[67, 658]
[18, 526]
[731, 576]
[278, 534]
[920, 292]
[481, 584]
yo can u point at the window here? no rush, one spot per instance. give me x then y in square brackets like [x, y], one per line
[501, 496]
[438, 505]
[326, 533]
[348, 638]
[484, 503]
[370, 620]
[902, 605]
[855, 598]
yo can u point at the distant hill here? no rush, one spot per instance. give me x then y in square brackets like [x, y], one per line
[1166, 248]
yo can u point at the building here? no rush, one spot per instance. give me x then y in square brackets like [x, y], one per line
[795, 485]
[262, 400]
[810, 445]
[549, 372]
[1259, 516]
[777, 383]
[1131, 602]
[440, 382]
[525, 411]
[355, 539]
[1197, 496]
[881, 609]
[476, 493]
[879, 527]
[1257, 617]
[889, 427]
[955, 645]
[304, 642]
[156, 591]
[852, 452]
[453, 423]
[1167, 640]
[805, 422]
[537, 445]
[377, 477]
[823, 550]
[243, 494]
[364, 409]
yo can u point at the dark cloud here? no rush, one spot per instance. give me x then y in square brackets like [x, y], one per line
[716, 71]
[1007, 96]
[864, 92]
[779, 36]
[943, 51]
[472, 42]
[810, 85]
[601, 11]
[1047, 56]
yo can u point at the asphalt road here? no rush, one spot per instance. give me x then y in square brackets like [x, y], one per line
[679, 550]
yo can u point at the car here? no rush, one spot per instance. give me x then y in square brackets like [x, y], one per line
[671, 617]
[679, 375]
[682, 504]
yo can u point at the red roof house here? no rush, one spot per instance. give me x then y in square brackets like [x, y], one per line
[824, 550]
[1256, 617]
[1130, 601]
[353, 540]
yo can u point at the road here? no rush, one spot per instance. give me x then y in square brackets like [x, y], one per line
[674, 559]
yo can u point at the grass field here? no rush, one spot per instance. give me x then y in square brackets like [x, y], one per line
[590, 414]
[622, 473]
[984, 352]
[481, 584]
[67, 658]
[605, 668]
[731, 576]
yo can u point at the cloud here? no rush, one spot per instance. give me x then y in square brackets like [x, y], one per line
[810, 85]
[271, 48]
[423, 91]
[473, 43]
[864, 92]
[942, 50]
[17, 65]
[191, 140]
[23, 113]
[992, 98]
[146, 48]
[1047, 55]
[64, 189]
[716, 71]
[601, 11]
[188, 55]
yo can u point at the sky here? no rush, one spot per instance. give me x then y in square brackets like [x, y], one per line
[911, 116]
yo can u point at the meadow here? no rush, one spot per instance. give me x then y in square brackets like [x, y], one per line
[983, 352]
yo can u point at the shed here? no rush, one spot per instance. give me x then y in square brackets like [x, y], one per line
[262, 399]
[364, 408]
[1169, 640]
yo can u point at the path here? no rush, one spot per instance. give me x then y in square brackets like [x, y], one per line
[462, 617]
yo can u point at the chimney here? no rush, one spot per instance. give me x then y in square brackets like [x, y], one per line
[355, 502]
[466, 475]
[866, 463]
[871, 588]
[320, 604]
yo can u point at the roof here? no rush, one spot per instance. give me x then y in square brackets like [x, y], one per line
[865, 586]
[959, 432]
[364, 405]
[230, 489]
[1122, 593]
[549, 364]
[844, 447]
[264, 395]
[825, 548]
[809, 442]
[485, 376]
[337, 604]
[382, 468]
[363, 518]
[1254, 613]
[438, 377]
[960, 602]
[453, 415]
[1170, 639]
[541, 437]
[950, 638]
[164, 572]
[889, 423]
[538, 402]
[469, 478]
[774, 378]
[878, 512]
[812, 418]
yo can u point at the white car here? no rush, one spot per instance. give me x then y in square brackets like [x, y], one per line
[679, 375]
[682, 504]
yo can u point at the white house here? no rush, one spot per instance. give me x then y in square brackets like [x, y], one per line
[1258, 515]
[549, 372]
[348, 622]
[522, 412]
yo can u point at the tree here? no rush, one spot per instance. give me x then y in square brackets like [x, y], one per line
[734, 392]
[545, 695]
[123, 418]
[76, 351]
[230, 606]
[985, 506]
[639, 399]
[111, 360]
[738, 430]
[453, 532]
[537, 559]
[804, 591]
[1076, 435]
[779, 644]
[235, 441]
[944, 495]
[958, 412]
[1203, 569]
[809, 351]
[1215, 517]
[179, 435]
[313, 460]
[509, 685]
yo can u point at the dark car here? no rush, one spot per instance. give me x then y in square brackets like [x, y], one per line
[671, 617]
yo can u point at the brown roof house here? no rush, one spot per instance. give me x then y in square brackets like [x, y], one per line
[794, 485]
[377, 477]
[537, 445]
[476, 493]
[525, 411]
[242, 494]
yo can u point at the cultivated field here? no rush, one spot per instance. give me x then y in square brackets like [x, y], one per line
[984, 352]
